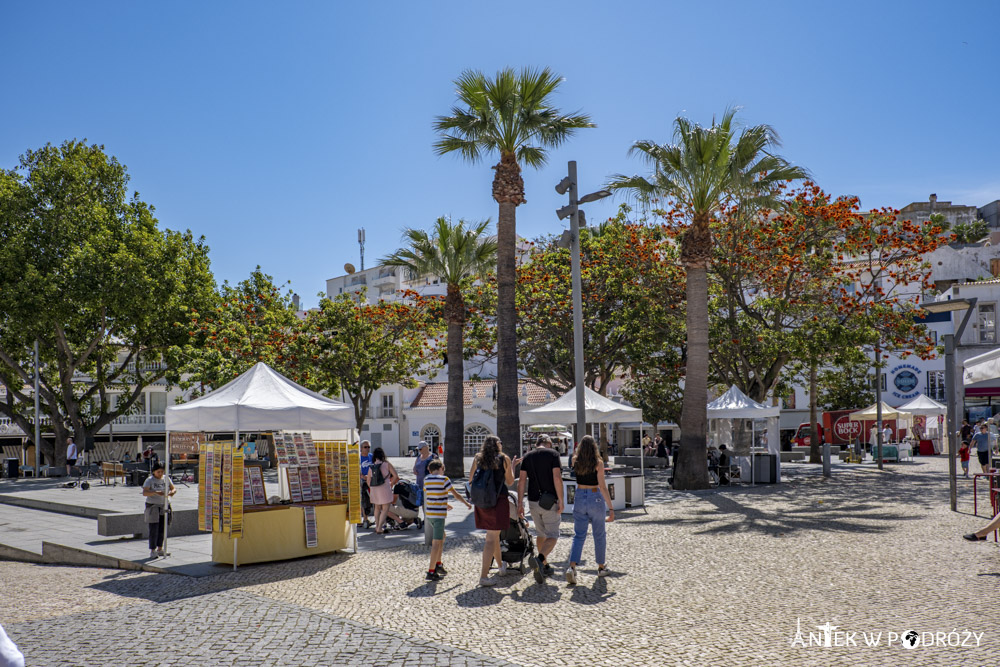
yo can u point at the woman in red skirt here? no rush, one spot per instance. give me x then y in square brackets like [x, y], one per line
[496, 518]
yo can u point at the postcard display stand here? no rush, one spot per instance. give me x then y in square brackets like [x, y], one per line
[324, 498]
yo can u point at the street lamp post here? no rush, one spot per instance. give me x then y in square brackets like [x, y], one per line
[569, 185]
[951, 383]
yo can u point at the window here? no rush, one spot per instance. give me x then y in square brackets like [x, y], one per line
[474, 436]
[995, 267]
[388, 406]
[364, 427]
[884, 384]
[935, 385]
[157, 402]
[988, 323]
[386, 427]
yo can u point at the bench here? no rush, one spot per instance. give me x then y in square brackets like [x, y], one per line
[184, 522]
[637, 461]
[788, 457]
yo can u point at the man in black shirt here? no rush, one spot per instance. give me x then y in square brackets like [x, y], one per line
[541, 472]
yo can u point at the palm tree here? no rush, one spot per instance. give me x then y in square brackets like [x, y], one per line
[705, 170]
[511, 115]
[458, 255]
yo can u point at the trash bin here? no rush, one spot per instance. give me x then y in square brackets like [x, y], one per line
[11, 468]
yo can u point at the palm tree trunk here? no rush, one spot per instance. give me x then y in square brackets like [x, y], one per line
[691, 466]
[454, 429]
[508, 416]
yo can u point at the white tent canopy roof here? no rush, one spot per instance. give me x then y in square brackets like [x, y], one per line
[599, 409]
[982, 367]
[734, 404]
[924, 405]
[260, 399]
[888, 412]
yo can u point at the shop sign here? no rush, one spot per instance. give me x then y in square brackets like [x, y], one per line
[905, 378]
[846, 429]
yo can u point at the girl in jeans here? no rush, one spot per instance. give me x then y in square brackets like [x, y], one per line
[589, 509]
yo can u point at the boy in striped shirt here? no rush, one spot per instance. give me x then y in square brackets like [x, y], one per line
[436, 489]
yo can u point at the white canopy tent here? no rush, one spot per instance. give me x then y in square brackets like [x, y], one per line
[734, 404]
[598, 410]
[928, 407]
[260, 399]
[981, 367]
[870, 414]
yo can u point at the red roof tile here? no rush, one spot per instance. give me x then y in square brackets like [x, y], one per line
[435, 394]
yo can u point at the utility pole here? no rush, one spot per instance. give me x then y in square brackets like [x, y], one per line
[38, 426]
[361, 242]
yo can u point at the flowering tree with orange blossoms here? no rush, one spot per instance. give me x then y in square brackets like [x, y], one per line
[359, 347]
[632, 307]
[251, 322]
[810, 282]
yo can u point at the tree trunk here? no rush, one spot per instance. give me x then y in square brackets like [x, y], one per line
[691, 468]
[454, 429]
[815, 451]
[508, 416]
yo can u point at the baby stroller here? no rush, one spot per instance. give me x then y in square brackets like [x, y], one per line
[406, 509]
[516, 543]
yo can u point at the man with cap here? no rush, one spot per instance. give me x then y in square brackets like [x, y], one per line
[424, 456]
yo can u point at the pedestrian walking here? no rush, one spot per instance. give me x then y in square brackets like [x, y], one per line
[71, 456]
[981, 441]
[436, 490]
[381, 478]
[157, 490]
[489, 495]
[366, 500]
[591, 505]
[963, 456]
[541, 473]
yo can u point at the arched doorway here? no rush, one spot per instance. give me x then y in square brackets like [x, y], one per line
[474, 436]
[431, 434]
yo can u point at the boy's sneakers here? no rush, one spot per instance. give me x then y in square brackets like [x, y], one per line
[439, 570]
[432, 576]
[571, 576]
[602, 571]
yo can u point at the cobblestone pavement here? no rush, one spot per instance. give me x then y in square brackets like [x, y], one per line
[709, 578]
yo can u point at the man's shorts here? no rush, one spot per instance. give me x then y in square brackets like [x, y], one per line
[984, 457]
[546, 521]
[437, 528]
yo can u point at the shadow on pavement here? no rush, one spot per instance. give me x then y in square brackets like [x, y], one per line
[479, 597]
[596, 594]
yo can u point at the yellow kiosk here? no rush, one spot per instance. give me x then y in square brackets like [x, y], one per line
[323, 478]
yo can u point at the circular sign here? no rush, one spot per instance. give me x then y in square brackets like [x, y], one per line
[905, 381]
[846, 429]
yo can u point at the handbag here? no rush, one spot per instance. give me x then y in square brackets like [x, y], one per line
[547, 500]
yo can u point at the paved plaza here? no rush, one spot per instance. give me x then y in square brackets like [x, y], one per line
[709, 578]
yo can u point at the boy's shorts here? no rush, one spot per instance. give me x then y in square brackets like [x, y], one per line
[437, 528]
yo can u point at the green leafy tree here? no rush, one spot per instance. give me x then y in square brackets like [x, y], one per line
[704, 172]
[848, 385]
[971, 232]
[249, 322]
[510, 115]
[458, 255]
[359, 347]
[86, 273]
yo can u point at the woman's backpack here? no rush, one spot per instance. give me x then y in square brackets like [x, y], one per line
[485, 487]
[378, 477]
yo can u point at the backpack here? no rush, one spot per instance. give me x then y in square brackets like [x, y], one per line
[378, 477]
[485, 487]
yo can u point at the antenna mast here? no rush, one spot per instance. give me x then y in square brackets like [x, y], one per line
[361, 242]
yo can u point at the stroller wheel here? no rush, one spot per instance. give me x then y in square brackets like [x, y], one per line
[420, 523]
[522, 569]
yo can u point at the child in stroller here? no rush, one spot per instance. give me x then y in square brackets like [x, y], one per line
[406, 501]
[516, 543]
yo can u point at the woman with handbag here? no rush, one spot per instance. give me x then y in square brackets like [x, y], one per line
[381, 478]
[489, 495]
[591, 504]
[157, 490]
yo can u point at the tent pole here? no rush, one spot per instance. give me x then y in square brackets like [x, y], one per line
[235, 540]
[166, 473]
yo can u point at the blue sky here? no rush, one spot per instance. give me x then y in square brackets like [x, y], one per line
[277, 129]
